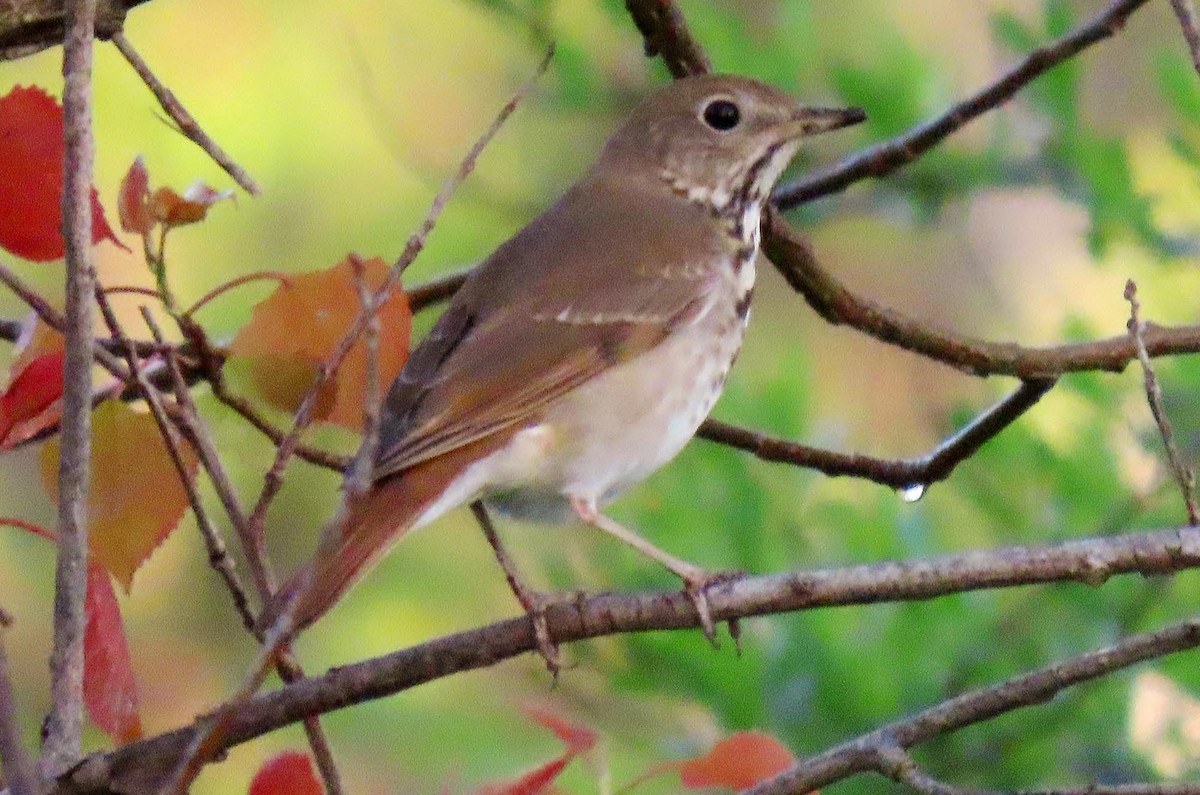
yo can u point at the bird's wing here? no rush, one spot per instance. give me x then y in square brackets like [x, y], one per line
[590, 284]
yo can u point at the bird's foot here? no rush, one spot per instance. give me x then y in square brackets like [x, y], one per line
[696, 582]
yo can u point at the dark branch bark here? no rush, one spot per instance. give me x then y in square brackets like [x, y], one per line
[29, 26]
[143, 766]
[793, 257]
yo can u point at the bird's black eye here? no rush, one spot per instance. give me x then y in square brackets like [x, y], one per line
[721, 114]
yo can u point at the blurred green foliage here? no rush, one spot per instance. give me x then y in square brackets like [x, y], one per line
[351, 117]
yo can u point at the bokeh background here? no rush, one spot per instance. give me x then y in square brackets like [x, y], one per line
[1024, 227]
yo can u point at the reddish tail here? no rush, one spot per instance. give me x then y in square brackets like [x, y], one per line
[378, 520]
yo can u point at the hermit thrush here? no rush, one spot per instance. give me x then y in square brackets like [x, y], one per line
[584, 352]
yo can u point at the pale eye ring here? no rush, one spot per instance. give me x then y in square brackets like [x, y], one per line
[722, 115]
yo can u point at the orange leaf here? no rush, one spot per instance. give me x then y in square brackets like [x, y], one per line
[738, 762]
[288, 773]
[135, 499]
[133, 199]
[109, 689]
[304, 321]
[31, 177]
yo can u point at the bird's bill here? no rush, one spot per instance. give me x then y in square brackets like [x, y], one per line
[814, 121]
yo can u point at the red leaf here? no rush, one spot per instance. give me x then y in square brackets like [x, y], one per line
[578, 738]
[109, 689]
[289, 773]
[535, 782]
[31, 178]
[738, 762]
[32, 391]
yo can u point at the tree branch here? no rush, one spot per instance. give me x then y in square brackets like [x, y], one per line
[874, 751]
[902, 473]
[143, 766]
[65, 721]
[792, 255]
[884, 158]
[185, 122]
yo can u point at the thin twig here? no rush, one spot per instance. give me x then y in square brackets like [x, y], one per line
[900, 473]
[870, 751]
[143, 766]
[247, 278]
[250, 413]
[19, 773]
[884, 158]
[55, 320]
[207, 736]
[184, 120]
[1189, 23]
[1185, 477]
[218, 554]
[533, 603]
[357, 481]
[65, 721]
[188, 418]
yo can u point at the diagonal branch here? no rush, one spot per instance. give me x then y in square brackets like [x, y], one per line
[884, 158]
[665, 33]
[875, 751]
[184, 121]
[1189, 23]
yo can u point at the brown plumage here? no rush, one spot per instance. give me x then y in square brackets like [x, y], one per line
[584, 352]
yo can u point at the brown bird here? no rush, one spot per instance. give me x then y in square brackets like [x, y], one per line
[584, 353]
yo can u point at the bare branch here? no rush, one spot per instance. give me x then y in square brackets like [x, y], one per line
[1185, 477]
[65, 721]
[665, 34]
[143, 766]
[1189, 23]
[19, 772]
[186, 124]
[792, 255]
[902, 473]
[884, 158]
[873, 751]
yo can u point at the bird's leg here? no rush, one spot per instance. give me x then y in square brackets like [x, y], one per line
[533, 602]
[696, 580]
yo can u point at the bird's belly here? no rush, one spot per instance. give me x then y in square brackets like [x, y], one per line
[618, 428]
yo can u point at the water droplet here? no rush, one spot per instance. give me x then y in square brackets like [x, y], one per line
[913, 492]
